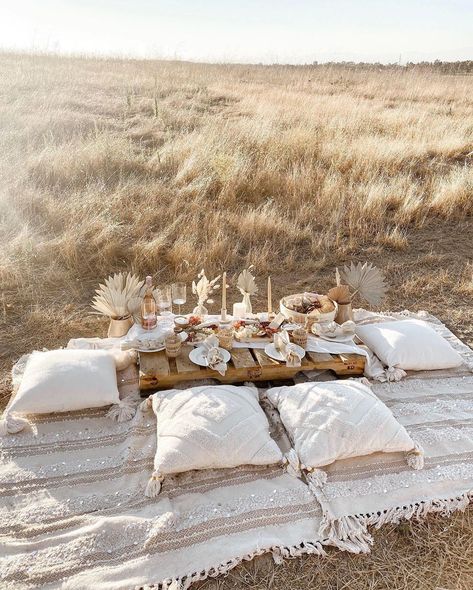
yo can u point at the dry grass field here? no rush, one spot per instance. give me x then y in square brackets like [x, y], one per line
[107, 165]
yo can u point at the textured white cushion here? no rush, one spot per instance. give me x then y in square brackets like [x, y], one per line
[409, 345]
[336, 420]
[66, 380]
[211, 427]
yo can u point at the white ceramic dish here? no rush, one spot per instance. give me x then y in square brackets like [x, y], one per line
[197, 356]
[271, 351]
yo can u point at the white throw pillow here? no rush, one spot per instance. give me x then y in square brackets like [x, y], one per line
[409, 345]
[63, 381]
[339, 419]
[207, 427]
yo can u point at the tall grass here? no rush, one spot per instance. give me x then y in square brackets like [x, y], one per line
[107, 164]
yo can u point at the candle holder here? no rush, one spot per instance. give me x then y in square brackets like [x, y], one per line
[173, 345]
[300, 337]
[225, 338]
[225, 320]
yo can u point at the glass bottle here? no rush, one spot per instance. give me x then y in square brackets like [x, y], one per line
[148, 306]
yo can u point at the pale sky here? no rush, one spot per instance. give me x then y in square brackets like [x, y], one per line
[285, 31]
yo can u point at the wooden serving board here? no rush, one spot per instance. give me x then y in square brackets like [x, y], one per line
[246, 364]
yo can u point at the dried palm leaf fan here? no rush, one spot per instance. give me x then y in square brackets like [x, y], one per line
[112, 299]
[340, 293]
[134, 308]
[365, 280]
[247, 286]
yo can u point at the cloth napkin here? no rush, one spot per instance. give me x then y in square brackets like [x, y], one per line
[332, 329]
[213, 355]
[288, 350]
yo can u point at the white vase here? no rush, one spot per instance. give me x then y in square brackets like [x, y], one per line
[118, 328]
[200, 311]
[247, 303]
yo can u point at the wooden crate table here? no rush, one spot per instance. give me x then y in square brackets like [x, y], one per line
[246, 364]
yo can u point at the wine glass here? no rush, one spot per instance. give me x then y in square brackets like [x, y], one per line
[164, 301]
[178, 294]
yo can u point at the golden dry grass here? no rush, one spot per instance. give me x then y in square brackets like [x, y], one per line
[114, 164]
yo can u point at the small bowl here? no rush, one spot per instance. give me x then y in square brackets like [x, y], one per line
[181, 322]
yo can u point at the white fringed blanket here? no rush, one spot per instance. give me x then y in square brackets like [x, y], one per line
[73, 513]
[436, 408]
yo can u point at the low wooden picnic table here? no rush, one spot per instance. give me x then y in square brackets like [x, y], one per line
[247, 364]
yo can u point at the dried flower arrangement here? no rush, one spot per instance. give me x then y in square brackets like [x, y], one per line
[246, 284]
[113, 297]
[366, 280]
[204, 289]
[112, 300]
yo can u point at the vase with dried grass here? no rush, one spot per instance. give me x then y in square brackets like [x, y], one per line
[204, 289]
[112, 298]
[341, 295]
[247, 286]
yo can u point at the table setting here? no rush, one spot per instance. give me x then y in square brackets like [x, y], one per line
[296, 335]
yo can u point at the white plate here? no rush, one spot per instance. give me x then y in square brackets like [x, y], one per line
[196, 355]
[271, 351]
[346, 338]
[182, 335]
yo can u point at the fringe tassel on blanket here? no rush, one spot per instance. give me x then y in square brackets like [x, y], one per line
[125, 409]
[11, 425]
[418, 511]
[279, 553]
[350, 533]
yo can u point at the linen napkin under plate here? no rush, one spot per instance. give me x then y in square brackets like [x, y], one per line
[288, 350]
[213, 355]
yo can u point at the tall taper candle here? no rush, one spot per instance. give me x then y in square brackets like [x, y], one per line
[224, 291]
[270, 305]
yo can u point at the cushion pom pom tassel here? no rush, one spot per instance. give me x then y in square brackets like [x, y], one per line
[153, 486]
[415, 457]
[146, 404]
[11, 425]
[125, 409]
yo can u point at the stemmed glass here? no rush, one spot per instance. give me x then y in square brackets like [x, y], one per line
[178, 294]
[164, 301]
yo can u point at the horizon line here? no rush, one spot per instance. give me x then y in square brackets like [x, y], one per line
[129, 57]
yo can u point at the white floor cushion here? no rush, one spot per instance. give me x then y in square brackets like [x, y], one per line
[209, 427]
[339, 419]
[409, 345]
[63, 381]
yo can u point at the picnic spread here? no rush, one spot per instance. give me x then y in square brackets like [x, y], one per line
[183, 444]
